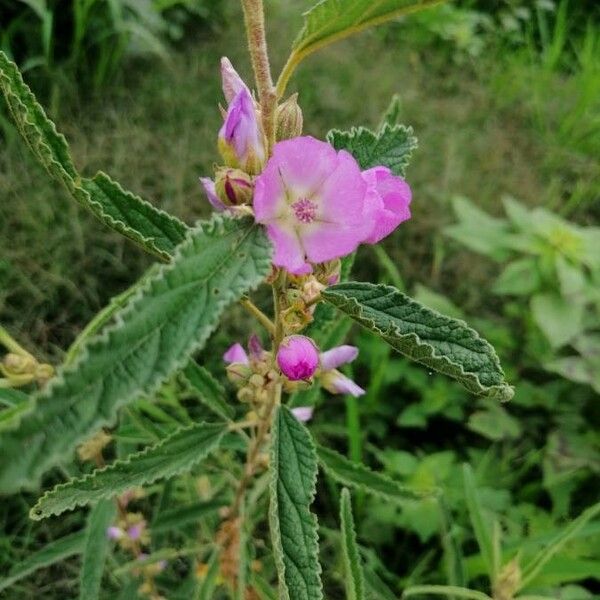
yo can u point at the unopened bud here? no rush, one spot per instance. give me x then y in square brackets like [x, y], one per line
[234, 187]
[289, 119]
[238, 373]
[17, 364]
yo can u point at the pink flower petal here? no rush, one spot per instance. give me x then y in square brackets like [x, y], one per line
[340, 384]
[209, 188]
[303, 413]
[233, 84]
[335, 357]
[298, 357]
[289, 253]
[236, 354]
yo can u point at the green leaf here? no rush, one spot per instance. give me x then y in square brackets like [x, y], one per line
[11, 398]
[532, 569]
[359, 476]
[153, 229]
[208, 390]
[519, 278]
[293, 527]
[209, 580]
[559, 319]
[479, 522]
[96, 549]
[355, 584]
[495, 423]
[177, 453]
[184, 516]
[332, 20]
[152, 337]
[450, 591]
[50, 554]
[441, 343]
[391, 146]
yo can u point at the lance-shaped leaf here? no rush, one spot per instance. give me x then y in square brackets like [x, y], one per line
[175, 454]
[293, 527]
[153, 229]
[441, 343]
[359, 476]
[96, 549]
[390, 147]
[355, 581]
[332, 20]
[170, 317]
[50, 554]
[208, 389]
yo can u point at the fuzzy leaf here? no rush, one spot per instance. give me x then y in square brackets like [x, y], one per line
[390, 147]
[177, 453]
[359, 476]
[153, 229]
[293, 527]
[355, 582]
[208, 390]
[331, 20]
[96, 549]
[441, 343]
[152, 337]
[50, 554]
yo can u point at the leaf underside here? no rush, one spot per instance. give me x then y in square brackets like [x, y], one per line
[441, 343]
[153, 229]
[175, 454]
[293, 527]
[152, 337]
[355, 583]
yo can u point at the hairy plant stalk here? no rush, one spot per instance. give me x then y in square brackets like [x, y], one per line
[254, 19]
[258, 314]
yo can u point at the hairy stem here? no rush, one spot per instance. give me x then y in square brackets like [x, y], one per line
[258, 314]
[254, 19]
[11, 344]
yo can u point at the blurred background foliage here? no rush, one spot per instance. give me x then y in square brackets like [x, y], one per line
[505, 99]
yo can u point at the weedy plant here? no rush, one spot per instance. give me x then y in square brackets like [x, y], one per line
[291, 211]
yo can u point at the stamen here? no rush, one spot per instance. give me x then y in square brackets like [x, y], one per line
[305, 210]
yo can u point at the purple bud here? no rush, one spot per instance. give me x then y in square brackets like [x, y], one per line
[135, 531]
[255, 347]
[114, 533]
[340, 355]
[241, 141]
[303, 413]
[211, 193]
[233, 84]
[298, 357]
[236, 354]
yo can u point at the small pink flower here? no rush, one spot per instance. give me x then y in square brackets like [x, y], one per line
[312, 201]
[236, 354]
[388, 199]
[303, 413]
[136, 531]
[114, 533]
[209, 189]
[233, 84]
[241, 141]
[298, 357]
[331, 379]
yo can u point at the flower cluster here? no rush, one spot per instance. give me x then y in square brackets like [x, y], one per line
[317, 206]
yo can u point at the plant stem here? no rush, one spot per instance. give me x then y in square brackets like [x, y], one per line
[254, 19]
[11, 344]
[258, 314]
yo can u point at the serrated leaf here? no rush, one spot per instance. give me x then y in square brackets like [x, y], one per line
[208, 390]
[50, 554]
[392, 146]
[95, 549]
[153, 229]
[175, 454]
[441, 343]
[152, 337]
[332, 20]
[294, 536]
[359, 476]
[355, 582]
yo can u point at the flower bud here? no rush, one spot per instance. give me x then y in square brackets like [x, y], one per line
[238, 373]
[233, 84]
[289, 119]
[298, 357]
[241, 139]
[233, 187]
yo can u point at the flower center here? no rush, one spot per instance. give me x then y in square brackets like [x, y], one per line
[305, 210]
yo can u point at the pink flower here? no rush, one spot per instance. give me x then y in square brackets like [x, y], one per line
[331, 379]
[312, 201]
[233, 84]
[303, 413]
[236, 354]
[209, 189]
[388, 199]
[241, 141]
[298, 357]
[135, 531]
[114, 533]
